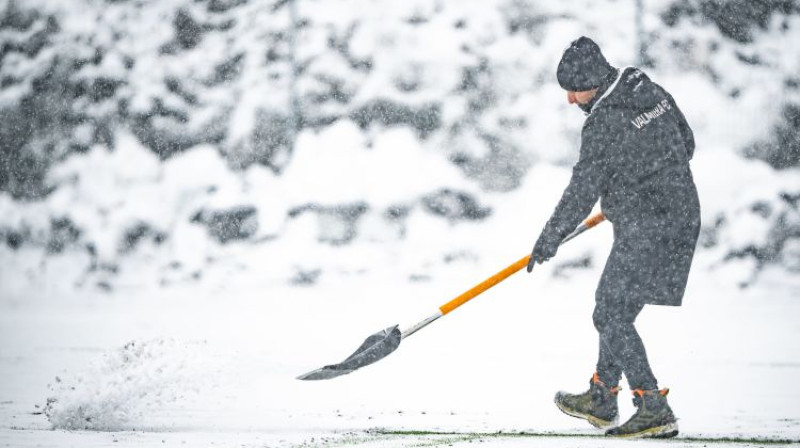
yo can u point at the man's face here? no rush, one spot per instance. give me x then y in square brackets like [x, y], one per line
[582, 97]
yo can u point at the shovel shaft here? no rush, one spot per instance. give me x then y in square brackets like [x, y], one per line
[381, 344]
[421, 324]
[584, 226]
[511, 269]
[484, 285]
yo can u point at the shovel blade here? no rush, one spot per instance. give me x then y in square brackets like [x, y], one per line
[374, 348]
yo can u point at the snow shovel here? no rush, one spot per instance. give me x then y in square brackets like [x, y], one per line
[384, 342]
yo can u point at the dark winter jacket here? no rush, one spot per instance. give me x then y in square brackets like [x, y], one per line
[635, 152]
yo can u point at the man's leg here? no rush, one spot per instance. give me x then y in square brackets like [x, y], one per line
[624, 288]
[621, 348]
[608, 370]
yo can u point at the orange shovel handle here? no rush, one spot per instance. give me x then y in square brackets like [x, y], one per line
[511, 269]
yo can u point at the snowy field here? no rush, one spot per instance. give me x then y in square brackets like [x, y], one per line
[126, 321]
[205, 367]
[212, 361]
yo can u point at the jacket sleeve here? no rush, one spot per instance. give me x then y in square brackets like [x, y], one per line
[588, 180]
[683, 126]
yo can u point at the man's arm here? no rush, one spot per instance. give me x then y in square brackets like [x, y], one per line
[587, 182]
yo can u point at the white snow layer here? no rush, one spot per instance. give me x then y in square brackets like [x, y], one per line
[211, 359]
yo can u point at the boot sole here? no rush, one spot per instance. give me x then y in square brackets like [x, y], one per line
[598, 423]
[657, 432]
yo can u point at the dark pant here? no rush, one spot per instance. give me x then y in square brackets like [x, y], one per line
[621, 348]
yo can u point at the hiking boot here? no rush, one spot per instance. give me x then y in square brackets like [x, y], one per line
[598, 405]
[653, 417]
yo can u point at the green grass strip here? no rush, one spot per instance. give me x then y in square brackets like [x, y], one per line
[735, 440]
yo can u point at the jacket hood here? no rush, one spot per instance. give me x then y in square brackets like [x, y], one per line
[632, 90]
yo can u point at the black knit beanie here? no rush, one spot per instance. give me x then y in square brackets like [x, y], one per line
[582, 67]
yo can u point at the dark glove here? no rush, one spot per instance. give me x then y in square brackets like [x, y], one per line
[544, 249]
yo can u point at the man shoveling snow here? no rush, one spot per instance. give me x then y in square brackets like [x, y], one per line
[634, 156]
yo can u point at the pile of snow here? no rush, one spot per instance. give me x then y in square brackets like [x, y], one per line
[121, 390]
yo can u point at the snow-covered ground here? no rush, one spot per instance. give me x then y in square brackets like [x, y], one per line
[205, 367]
[125, 320]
